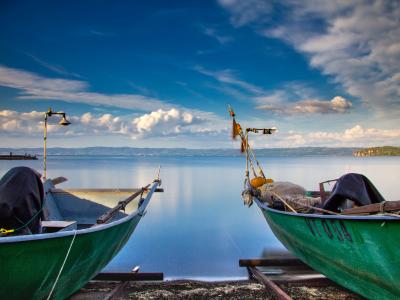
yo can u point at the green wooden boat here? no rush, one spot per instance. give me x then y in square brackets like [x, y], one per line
[357, 248]
[54, 265]
[360, 253]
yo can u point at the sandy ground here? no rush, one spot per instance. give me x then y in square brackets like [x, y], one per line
[185, 289]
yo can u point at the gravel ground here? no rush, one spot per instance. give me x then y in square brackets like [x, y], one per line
[193, 290]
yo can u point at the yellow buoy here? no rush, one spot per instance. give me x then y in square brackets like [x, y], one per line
[259, 181]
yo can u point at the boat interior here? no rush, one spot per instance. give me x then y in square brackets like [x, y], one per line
[69, 209]
[351, 194]
[30, 206]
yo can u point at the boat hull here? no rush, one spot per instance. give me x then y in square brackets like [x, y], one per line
[359, 253]
[30, 266]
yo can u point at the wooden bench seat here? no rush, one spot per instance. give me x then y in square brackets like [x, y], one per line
[54, 226]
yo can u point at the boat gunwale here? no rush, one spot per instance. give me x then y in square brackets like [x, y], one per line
[94, 190]
[334, 217]
[43, 236]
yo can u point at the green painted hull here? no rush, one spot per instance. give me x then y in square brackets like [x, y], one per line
[360, 253]
[30, 264]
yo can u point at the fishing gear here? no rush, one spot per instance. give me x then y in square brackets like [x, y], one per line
[251, 159]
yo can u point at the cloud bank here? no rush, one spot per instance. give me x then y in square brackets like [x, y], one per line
[166, 123]
[336, 105]
[174, 123]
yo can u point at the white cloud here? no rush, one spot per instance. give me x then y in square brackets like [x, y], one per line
[243, 12]
[33, 86]
[14, 123]
[7, 113]
[212, 32]
[274, 103]
[162, 122]
[86, 118]
[31, 83]
[228, 76]
[355, 42]
[52, 67]
[290, 92]
[176, 123]
[284, 101]
[356, 136]
[157, 123]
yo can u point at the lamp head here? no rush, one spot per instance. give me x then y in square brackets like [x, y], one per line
[49, 112]
[64, 121]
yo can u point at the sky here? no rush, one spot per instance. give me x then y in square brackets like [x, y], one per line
[161, 73]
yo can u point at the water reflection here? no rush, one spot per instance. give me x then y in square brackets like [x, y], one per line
[199, 228]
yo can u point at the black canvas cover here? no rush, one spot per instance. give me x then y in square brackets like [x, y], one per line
[355, 187]
[21, 198]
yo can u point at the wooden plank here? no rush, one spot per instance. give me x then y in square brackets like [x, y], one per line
[118, 276]
[324, 194]
[58, 180]
[71, 191]
[314, 281]
[121, 205]
[269, 284]
[272, 262]
[116, 291]
[94, 190]
[58, 224]
[386, 206]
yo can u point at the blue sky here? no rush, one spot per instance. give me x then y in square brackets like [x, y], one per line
[161, 73]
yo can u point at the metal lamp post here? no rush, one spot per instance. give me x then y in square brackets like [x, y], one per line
[63, 122]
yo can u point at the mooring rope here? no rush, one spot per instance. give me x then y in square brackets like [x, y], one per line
[4, 231]
[260, 170]
[62, 266]
[382, 207]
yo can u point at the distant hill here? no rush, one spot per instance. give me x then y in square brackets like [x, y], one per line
[128, 151]
[378, 151]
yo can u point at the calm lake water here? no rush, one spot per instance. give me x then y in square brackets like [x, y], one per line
[198, 228]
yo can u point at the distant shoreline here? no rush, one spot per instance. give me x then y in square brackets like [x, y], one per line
[233, 152]
[183, 152]
[378, 151]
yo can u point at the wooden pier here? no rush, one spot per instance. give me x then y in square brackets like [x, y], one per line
[12, 156]
[126, 276]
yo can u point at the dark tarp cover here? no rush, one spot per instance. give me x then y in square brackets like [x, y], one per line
[21, 197]
[355, 187]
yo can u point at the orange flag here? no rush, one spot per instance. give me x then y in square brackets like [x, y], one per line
[236, 129]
